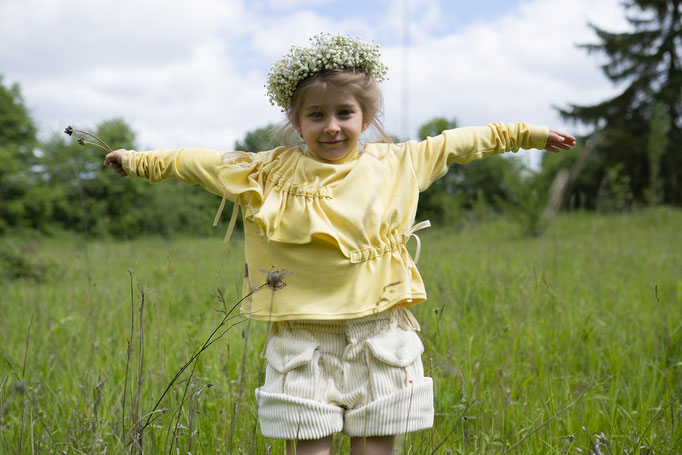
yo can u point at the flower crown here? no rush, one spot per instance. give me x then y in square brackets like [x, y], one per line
[328, 52]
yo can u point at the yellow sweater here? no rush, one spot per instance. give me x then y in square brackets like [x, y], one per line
[339, 230]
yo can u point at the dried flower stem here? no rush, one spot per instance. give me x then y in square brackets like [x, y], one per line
[105, 146]
[658, 414]
[70, 130]
[209, 341]
[130, 340]
[238, 403]
[452, 430]
[137, 434]
[84, 142]
[32, 401]
[543, 424]
[23, 380]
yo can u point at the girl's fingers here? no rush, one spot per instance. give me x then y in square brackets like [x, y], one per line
[563, 137]
[561, 145]
[114, 157]
[113, 160]
[557, 140]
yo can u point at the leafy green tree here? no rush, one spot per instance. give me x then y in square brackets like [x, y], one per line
[90, 198]
[438, 201]
[526, 199]
[260, 139]
[435, 126]
[479, 184]
[646, 60]
[86, 195]
[17, 141]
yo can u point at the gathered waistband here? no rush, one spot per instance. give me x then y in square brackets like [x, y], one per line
[401, 316]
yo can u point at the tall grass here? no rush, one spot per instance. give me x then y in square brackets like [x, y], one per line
[566, 343]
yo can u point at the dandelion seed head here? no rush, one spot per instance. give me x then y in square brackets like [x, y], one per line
[19, 387]
[275, 279]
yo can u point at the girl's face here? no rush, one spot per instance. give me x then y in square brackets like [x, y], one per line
[330, 124]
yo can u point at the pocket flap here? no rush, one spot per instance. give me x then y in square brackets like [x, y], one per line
[396, 347]
[286, 355]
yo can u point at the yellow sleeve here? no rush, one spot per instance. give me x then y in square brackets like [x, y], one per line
[432, 157]
[193, 166]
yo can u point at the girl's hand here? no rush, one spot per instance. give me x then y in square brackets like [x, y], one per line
[113, 159]
[558, 140]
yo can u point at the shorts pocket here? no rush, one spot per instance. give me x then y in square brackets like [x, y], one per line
[285, 355]
[394, 362]
[292, 367]
[396, 347]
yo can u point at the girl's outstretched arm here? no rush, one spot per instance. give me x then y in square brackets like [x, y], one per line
[557, 140]
[193, 166]
[432, 157]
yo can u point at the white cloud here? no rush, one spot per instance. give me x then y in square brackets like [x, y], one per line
[184, 75]
[281, 5]
[511, 69]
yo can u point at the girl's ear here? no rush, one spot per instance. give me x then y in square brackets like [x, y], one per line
[297, 127]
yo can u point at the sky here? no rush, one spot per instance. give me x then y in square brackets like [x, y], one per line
[186, 73]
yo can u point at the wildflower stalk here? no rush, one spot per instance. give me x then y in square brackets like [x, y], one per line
[454, 427]
[82, 141]
[130, 340]
[209, 341]
[135, 408]
[237, 406]
[23, 381]
[32, 401]
[658, 414]
[546, 422]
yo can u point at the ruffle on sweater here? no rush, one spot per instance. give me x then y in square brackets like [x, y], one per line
[291, 199]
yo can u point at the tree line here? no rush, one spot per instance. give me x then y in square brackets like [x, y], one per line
[634, 159]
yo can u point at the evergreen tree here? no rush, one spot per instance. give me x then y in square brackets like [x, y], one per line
[646, 60]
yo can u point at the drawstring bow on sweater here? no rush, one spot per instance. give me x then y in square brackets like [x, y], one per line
[413, 262]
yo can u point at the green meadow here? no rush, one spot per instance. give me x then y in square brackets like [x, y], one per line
[563, 344]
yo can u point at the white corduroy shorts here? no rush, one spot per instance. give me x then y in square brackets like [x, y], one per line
[363, 377]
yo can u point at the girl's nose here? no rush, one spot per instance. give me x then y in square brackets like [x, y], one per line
[331, 128]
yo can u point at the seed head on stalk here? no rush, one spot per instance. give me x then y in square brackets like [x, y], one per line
[275, 278]
[69, 130]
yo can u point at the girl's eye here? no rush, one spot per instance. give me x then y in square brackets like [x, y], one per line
[315, 115]
[345, 112]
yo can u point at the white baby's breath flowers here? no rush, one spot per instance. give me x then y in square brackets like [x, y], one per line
[328, 52]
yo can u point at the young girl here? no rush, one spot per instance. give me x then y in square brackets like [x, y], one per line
[343, 353]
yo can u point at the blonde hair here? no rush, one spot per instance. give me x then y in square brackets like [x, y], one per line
[359, 84]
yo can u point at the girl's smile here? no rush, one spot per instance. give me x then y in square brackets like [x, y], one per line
[331, 123]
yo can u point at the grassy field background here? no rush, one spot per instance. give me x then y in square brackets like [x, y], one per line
[567, 343]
